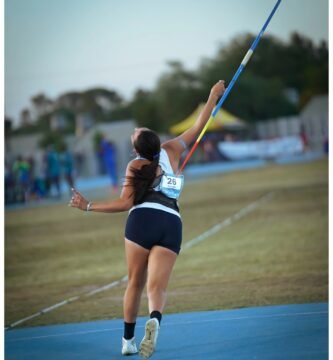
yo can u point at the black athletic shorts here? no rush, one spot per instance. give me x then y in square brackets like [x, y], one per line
[149, 227]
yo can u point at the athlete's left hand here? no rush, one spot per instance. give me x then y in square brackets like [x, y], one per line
[78, 201]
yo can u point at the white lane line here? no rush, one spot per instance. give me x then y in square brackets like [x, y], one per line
[173, 324]
[65, 302]
[108, 286]
[43, 311]
[229, 221]
[213, 230]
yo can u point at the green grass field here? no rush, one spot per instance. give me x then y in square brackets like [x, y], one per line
[277, 254]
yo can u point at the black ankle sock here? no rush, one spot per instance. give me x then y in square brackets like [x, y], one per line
[157, 315]
[129, 330]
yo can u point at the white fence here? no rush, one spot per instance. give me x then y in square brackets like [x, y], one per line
[313, 124]
[279, 127]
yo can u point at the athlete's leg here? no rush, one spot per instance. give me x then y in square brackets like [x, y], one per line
[137, 259]
[160, 264]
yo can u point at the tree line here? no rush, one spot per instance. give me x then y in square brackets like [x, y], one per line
[279, 80]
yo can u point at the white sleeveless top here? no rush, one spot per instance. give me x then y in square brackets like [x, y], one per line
[164, 162]
[165, 165]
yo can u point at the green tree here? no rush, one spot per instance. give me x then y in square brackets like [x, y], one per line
[122, 111]
[177, 94]
[145, 110]
[274, 67]
[52, 138]
[259, 94]
[257, 98]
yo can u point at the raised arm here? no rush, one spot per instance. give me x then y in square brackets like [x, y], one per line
[176, 146]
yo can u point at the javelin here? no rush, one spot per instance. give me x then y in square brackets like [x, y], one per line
[232, 82]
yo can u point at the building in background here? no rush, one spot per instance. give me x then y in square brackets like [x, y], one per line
[118, 132]
[314, 118]
[82, 147]
[312, 122]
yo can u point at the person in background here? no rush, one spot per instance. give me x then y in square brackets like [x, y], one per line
[21, 171]
[304, 137]
[108, 150]
[40, 175]
[53, 170]
[67, 164]
[9, 184]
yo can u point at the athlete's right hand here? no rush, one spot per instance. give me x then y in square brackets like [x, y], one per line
[217, 90]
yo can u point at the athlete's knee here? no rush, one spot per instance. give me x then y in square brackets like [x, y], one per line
[154, 288]
[136, 281]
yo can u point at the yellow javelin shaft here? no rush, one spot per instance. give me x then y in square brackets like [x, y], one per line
[204, 129]
[195, 144]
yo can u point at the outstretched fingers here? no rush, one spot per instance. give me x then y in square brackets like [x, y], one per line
[75, 199]
[75, 192]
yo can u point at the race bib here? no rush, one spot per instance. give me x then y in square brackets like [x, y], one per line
[172, 185]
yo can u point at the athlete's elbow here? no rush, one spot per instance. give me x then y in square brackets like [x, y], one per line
[126, 205]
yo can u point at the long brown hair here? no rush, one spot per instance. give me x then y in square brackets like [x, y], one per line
[148, 146]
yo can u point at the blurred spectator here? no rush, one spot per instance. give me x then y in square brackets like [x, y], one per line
[79, 160]
[9, 184]
[304, 137]
[21, 172]
[229, 138]
[210, 151]
[67, 163]
[40, 175]
[108, 150]
[100, 159]
[53, 170]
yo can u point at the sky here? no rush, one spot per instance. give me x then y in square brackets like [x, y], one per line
[52, 47]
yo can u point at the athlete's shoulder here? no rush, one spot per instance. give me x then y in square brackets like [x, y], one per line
[137, 163]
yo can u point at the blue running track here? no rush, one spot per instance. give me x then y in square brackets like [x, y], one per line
[286, 332]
